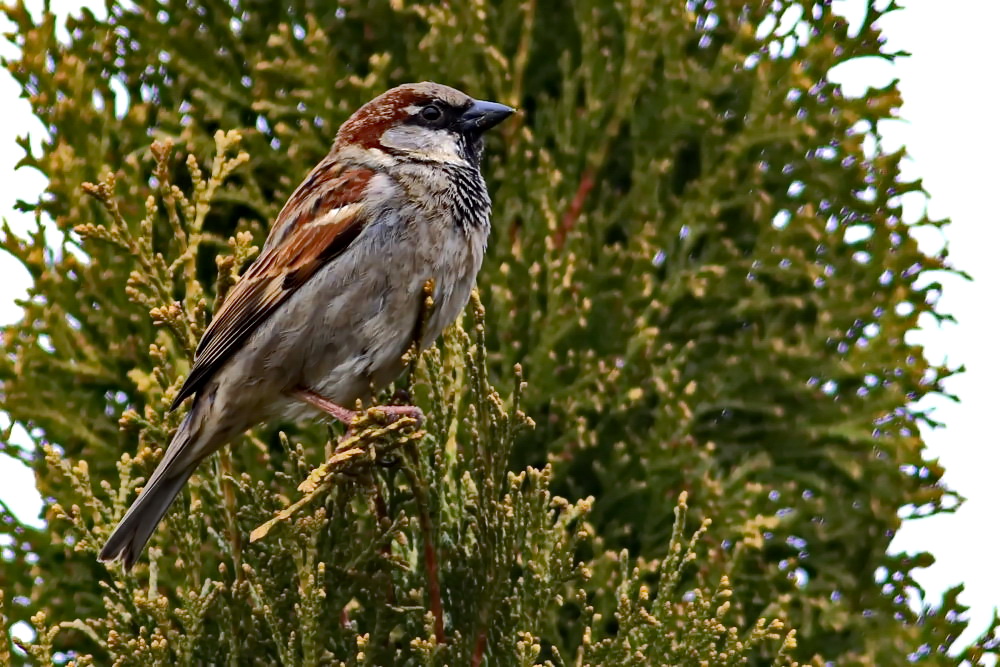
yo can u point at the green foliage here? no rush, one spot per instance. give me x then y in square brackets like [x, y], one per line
[393, 528]
[698, 257]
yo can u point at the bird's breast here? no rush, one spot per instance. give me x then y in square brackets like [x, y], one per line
[370, 301]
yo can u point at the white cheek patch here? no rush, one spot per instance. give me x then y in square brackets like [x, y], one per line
[424, 143]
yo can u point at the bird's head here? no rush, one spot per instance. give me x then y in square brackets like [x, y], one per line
[422, 122]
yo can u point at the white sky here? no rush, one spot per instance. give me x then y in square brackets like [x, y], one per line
[949, 88]
[951, 102]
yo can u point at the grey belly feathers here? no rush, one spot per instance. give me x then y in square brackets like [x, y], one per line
[357, 341]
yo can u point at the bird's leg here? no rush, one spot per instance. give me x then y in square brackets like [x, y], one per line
[339, 413]
[347, 416]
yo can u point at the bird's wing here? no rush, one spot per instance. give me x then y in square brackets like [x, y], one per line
[318, 223]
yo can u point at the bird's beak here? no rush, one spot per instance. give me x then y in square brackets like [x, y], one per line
[483, 115]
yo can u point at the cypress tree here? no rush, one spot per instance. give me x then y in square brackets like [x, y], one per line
[698, 261]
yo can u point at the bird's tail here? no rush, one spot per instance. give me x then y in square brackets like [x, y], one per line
[140, 521]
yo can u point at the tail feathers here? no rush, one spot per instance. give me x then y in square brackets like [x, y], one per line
[140, 521]
[137, 526]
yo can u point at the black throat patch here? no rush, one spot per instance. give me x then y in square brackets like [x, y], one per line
[469, 198]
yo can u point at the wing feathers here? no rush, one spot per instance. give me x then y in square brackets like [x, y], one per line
[321, 219]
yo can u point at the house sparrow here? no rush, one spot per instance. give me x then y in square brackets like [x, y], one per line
[332, 303]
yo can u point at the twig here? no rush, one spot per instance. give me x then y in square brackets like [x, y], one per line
[229, 496]
[430, 553]
[480, 649]
[314, 485]
[350, 451]
[572, 214]
[382, 512]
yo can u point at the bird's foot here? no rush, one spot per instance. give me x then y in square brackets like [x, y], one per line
[396, 412]
[391, 414]
[347, 416]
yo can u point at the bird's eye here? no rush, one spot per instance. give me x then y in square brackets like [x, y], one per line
[430, 113]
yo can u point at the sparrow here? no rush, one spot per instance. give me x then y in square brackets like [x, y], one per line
[329, 308]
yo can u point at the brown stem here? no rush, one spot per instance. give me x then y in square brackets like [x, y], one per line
[430, 553]
[514, 233]
[229, 497]
[572, 214]
[382, 512]
[433, 585]
[480, 648]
